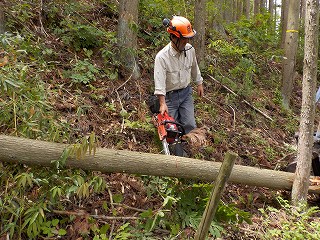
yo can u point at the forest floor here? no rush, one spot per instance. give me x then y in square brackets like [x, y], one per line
[258, 141]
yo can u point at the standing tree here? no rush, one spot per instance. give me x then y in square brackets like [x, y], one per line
[127, 35]
[302, 10]
[246, 8]
[284, 20]
[2, 18]
[263, 5]
[239, 9]
[200, 26]
[217, 17]
[271, 8]
[256, 7]
[290, 51]
[227, 11]
[301, 180]
[272, 19]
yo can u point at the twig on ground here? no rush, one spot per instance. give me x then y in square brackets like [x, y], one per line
[111, 230]
[233, 111]
[135, 67]
[234, 117]
[245, 101]
[217, 105]
[82, 213]
[128, 207]
[122, 125]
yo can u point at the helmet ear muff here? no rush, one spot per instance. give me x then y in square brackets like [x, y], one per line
[167, 23]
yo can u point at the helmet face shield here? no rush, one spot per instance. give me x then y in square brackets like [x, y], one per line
[180, 27]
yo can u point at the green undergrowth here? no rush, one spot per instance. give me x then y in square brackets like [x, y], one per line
[25, 105]
[36, 203]
[290, 222]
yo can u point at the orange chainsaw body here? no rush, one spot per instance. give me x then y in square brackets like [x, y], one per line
[167, 128]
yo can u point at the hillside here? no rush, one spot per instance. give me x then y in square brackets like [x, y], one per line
[65, 81]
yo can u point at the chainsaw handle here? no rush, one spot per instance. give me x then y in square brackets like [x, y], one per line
[166, 115]
[178, 124]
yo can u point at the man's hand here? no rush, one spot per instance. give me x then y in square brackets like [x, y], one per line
[163, 105]
[200, 90]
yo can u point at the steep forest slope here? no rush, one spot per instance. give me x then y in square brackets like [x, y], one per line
[61, 80]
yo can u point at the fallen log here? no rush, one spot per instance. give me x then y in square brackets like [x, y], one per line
[35, 152]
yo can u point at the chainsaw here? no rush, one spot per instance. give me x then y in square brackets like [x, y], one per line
[169, 131]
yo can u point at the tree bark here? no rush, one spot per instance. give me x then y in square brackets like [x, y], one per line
[256, 7]
[290, 52]
[227, 11]
[302, 11]
[284, 20]
[272, 19]
[35, 152]
[2, 18]
[127, 35]
[305, 144]
[246, 8]
[218, 16]
[271, 8]
[200, 26]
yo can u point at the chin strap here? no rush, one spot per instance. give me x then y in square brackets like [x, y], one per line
[177, 43]
[184, 50]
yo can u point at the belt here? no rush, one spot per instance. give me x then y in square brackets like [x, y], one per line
[177, 90]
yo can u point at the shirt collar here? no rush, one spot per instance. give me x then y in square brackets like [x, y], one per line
[173, 51]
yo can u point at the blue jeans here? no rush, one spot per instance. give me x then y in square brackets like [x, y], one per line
[181, 107]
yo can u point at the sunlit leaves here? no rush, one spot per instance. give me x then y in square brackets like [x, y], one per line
[24, 179]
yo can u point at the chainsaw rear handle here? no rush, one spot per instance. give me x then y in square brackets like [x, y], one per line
[178, 124]
[167, 116]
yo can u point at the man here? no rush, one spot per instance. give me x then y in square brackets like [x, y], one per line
[175, 66]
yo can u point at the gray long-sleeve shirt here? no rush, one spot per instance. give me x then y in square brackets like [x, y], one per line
[174, 70]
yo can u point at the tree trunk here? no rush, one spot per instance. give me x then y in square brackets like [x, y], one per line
[272, 21]
[256, 7]
[284, 20]
[235, 11]
[271, 8]
[246, 8]
[218, 16]
[2, 18]
[34, 152]
[290, 52]
[227, 11]
[239, 9]
[200, 26]
[302, 11]
[301, 180]
[262, 6]
[127, 35]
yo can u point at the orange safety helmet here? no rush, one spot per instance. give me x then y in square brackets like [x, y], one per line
[180, 27]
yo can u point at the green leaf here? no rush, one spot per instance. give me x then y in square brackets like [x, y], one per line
[55, 222]
[34, 217]
[147, 214]
[124, 113]
[117, 198]
[104, 228]
[41, 212]
[62, 232]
